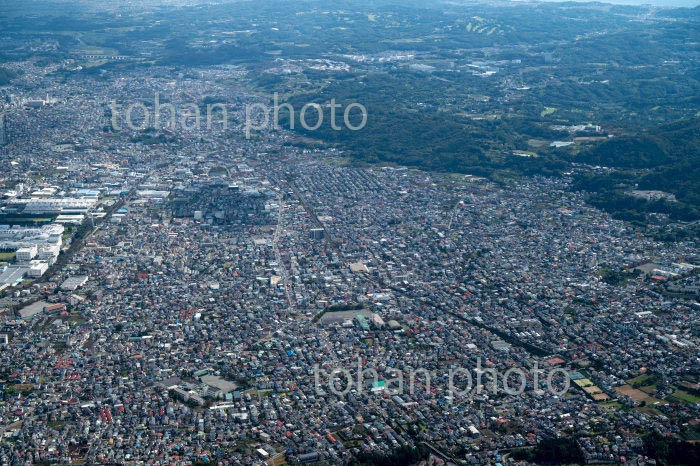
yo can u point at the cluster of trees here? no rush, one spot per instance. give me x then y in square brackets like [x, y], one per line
[670, 451]
[400, 457]
[6, 76]
[634, 209]
[618, 277]
[667, 451]
[552, 451]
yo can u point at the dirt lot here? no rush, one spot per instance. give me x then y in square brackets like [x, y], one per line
[636, 395]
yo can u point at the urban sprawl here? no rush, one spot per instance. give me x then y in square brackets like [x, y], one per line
[167, 295]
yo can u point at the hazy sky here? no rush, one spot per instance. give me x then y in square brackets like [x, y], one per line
[666, 3]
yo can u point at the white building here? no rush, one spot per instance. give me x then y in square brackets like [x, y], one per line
[63, 205]
[15, 237]
[26, 253]
[37, 268]
[49, 253]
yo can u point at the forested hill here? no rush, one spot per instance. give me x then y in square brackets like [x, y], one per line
[668, 144]
[666, 158]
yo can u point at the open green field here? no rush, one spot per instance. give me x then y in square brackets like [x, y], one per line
[547, 111]
[584, 383]
[639, 380]
[7, 256]
[686, 397]
[611, 405]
